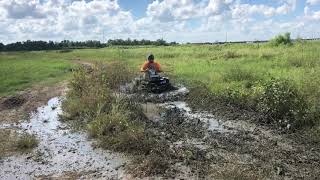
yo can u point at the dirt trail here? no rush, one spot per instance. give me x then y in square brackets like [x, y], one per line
[60, 151]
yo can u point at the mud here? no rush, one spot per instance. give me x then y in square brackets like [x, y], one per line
[60, 150]
[14, 109]
[201, 145]
[209, 147]
[129, 90]
[13, 102]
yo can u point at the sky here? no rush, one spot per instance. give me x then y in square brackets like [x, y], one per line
[173, 20]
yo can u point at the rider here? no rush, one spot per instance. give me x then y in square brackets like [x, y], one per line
[150, 64]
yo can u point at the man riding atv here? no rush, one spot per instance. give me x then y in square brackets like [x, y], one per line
[150, 64]
[152, 81]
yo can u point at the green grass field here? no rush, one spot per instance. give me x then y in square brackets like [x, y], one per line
[236, 69]
[23, 69]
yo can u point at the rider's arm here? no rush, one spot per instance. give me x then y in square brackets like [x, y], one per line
[158, 68]
[144, 67]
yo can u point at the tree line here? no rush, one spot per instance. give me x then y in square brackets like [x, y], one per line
[66, 44]
[135, 42]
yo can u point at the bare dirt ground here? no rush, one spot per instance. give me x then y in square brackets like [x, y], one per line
[14, 109]
[216, 148]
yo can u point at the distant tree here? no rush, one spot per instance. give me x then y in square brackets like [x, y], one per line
[173, 43]
[135, 42]
[2, 47]
[281, 39]
[66, 44]
[160, 42]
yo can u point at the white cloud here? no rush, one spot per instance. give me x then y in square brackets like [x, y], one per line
[19, 9]
[311, 15]
[59, 19]
[177, 20]
[313, 2]
[244, 10]
[169, 10]
[217, 6]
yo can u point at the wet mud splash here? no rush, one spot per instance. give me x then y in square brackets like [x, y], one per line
[60, 150]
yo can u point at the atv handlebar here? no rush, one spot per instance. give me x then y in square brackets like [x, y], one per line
[147, 70]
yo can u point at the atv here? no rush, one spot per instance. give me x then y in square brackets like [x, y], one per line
[154, 83]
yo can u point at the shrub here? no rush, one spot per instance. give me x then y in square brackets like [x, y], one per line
[117, 130]
[26, 141]
[238, 96]
[230, 55]
[117, 74]
[282, 103]
[91, 90]
[239, 74]
[281, 39]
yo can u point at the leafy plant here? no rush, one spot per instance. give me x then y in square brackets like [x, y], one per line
[282, 103]
[281, 39]
[27, 141]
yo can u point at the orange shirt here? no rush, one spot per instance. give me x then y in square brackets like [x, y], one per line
[148, 65]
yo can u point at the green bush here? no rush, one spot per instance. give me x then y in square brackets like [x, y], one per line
[230, 55]
[117, 130]
[91, 92]
[26, 141]
[282, 103]
[281, 39]
[235, 73]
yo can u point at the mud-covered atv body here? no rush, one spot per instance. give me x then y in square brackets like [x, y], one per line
[153, 82]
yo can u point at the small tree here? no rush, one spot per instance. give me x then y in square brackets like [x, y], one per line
[281, 39]
[1, 47]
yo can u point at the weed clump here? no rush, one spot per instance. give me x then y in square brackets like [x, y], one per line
[26, 141]
[281, 39]
[239, 74]
[230, 55]
[117, 129]
[281, 101]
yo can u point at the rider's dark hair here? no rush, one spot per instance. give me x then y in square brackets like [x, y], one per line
[150, 57]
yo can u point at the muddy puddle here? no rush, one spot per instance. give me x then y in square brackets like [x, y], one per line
[155, 105]
[210, 121]
[60, 150]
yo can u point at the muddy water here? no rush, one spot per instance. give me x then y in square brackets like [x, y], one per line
[211, 122]
[60, 150]
[153, 112]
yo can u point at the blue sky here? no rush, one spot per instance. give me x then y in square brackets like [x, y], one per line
[136, 7]
[173, 20]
